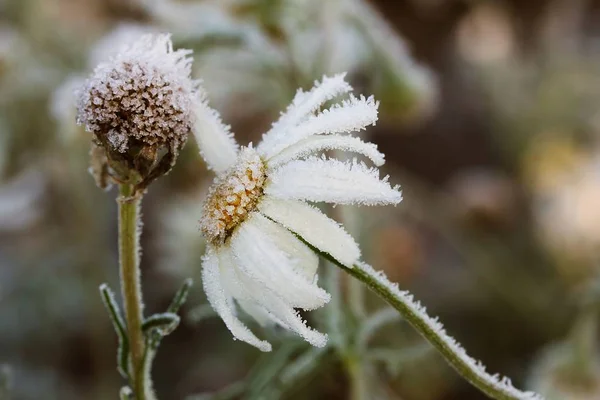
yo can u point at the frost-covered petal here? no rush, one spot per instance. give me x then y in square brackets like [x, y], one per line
[245, 290]
[318, 143]
[223, 304]
[257, 312]
[259, 256]
[292, 320]
[266, 304]
[215, 140]
[305, 260]
[333, 181]
[303, 104]
[351, 115]
[312, 225]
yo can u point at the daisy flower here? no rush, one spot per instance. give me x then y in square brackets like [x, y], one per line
[261, 232]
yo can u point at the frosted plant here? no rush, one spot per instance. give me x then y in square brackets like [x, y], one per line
[259, 194]
[138, 105]
[264, 239]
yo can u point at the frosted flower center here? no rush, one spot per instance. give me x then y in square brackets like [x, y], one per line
[233, 196]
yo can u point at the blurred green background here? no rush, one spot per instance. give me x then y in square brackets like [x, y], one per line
[489, 120]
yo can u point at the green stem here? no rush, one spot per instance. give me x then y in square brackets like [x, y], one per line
[131, 285]
[467, 367]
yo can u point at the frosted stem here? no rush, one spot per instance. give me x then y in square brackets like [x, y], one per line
[470, 369]
[130, 284]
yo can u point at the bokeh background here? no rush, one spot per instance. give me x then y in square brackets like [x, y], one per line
[489, 119]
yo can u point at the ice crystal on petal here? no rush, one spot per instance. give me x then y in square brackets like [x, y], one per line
[215, 140]
[318, 143]
[334, 181]
[261, 258]
[303, 105]
[223, 304]
[351, 115]
[313, 226]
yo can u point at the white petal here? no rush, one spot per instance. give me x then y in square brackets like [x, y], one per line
[223, 304]
[257, 312]
[332, 181]
[351, 115]
[259, 256]
[317, 143]
[244, 290]
[215, 140]
[313, 226]
[266, 305]
[304, 104]
[290, 319]
[305, 260]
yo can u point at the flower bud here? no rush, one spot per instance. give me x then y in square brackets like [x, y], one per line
[138, 105]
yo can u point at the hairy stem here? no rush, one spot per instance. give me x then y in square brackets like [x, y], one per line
[433, 331]
[130, 284]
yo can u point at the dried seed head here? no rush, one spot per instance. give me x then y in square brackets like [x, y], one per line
[139, 106]
[233, 196]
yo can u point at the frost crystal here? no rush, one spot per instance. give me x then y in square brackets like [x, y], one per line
[143, 94]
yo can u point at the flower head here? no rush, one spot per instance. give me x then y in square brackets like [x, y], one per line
[261, 231]
[139, 107]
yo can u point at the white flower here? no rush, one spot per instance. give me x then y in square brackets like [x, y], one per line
[260, 230]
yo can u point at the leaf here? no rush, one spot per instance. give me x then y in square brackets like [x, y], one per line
[180, 296]
[164, 323]
[108, 298]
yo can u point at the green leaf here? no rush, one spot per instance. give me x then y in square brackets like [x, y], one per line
[108, 298]
[180, 296]
[163, 323]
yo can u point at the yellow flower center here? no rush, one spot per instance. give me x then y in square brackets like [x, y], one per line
[233, 196]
